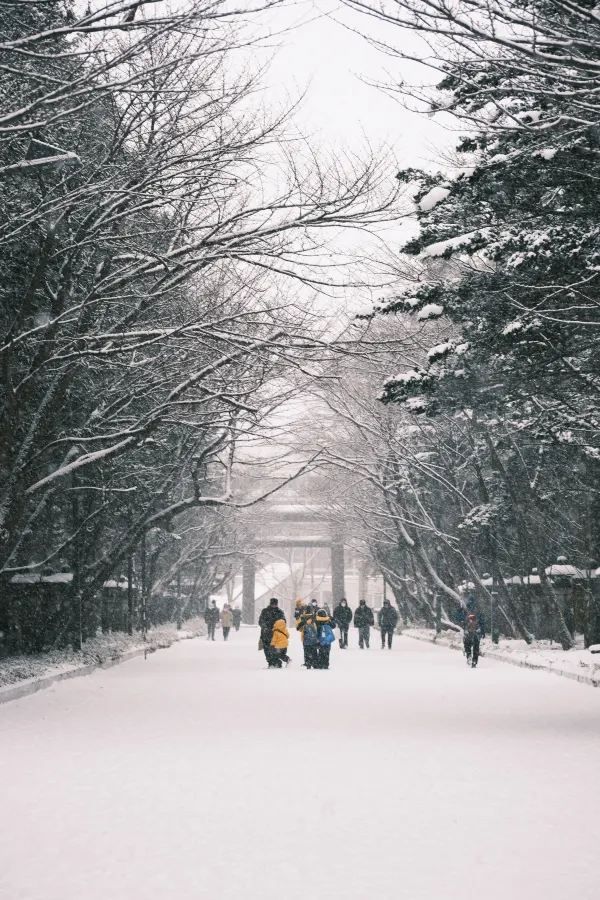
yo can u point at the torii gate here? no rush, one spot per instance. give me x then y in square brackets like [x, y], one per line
[295, 514]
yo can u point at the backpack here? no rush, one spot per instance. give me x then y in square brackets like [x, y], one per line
[310, 635]
[327, 637]
[472, 624]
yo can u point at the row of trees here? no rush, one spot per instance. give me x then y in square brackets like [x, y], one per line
[151, 220]
[486, 458]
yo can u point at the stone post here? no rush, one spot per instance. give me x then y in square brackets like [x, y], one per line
[337, 570]
[248, 589]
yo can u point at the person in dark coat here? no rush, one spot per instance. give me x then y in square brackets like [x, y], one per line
[237, 618]
[342, 616]
[269, 615]
[211, 617]
[387, 618]
[307, 626]
[473, 623]
[363, 619]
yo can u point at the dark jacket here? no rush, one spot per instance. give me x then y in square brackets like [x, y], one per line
[211, 615]
[342, 615]
[306, 615]
[237, 617]
[474, 623]
[269, 615]
[472, 608]
[387, 617]
[363, 615]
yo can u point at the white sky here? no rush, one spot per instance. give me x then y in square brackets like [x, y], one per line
[316, 51]
[332, 63]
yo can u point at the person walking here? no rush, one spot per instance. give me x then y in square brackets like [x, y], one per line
[237, 618]
[325, 637]
[226, 620]
[279, 644]
[342, 616]
[473, 625]
[211, 617]
[268, 616]
[307, 626]
[387, 619]
[363, 619]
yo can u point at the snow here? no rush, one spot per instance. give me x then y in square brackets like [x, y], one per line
[430, 311]
[541, 654]
[512, 326]
[455, 243]
[22, 669]
[398, 775]
[405, 377]
[440, 350]
[59, 578]
[565, 571]
[433, 197]
[547, 153]
[529, 116]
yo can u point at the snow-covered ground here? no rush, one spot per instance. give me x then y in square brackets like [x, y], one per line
[197, 773]
[577, 663]
[96, 651]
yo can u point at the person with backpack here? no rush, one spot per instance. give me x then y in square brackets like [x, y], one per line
[211, 617]
[279, 644]
[342, 616]
[387, 619]
[325, 638]
[226, 620]
[363, 619]
[473, 630]
[307, 626]
[237, 618]
[268, 616]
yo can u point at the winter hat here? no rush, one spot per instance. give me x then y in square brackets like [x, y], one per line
[321, 612]
[273, 601]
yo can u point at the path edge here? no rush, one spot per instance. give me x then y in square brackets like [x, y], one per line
[26, 689]
[521, 663]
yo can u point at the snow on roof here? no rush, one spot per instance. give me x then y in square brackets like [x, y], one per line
[121, 584]
[564, 570]
[523, 579]
[37, 578]
[60, 578]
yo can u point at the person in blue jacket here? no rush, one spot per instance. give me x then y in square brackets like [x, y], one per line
[325, 637]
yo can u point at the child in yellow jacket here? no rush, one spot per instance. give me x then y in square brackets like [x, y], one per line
[279, 644]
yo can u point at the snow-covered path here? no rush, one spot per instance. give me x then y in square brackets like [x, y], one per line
[197, 773]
